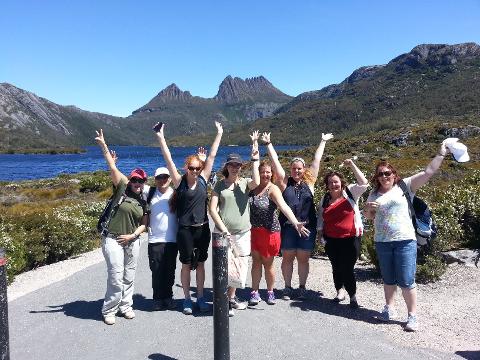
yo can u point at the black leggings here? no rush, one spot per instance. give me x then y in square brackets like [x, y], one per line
[343, 254]
[162, 260]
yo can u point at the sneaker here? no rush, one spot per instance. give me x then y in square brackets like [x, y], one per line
[287, 293]
[237, 304]
[157, 305]
[169, 304]
[187, 307]
[254, 298]
[129, 314]
[387, 314]
[271, 298]
[109, 319]
[302, 294]
[354, 304]
[412, 324]
[230, 310]
[202, 304]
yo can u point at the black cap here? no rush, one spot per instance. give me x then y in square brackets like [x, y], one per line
[233, 158]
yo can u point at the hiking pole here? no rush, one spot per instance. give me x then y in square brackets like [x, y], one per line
[221, 334]
[4, 350]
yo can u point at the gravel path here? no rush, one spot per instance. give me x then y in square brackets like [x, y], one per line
[448, 309]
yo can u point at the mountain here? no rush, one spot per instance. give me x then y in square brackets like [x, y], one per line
[432, 81]
[238, 101]
[30, 121]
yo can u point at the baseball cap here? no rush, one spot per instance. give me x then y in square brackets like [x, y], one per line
[458, 150]
[162, 171]
[138, 173]
[234, 158]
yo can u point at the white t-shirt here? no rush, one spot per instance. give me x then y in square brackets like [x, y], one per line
[163, 223]
[392, 220]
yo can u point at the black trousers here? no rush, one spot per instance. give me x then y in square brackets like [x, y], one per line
[343, 254]
[162, 258]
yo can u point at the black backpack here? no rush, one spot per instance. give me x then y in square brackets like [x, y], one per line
[107, 214]
[425, 228]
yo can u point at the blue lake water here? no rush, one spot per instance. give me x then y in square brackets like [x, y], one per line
[26, 167]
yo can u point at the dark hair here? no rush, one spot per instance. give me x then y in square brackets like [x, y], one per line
[384, 163]
[334, 173]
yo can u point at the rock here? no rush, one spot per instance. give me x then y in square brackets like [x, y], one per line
[461, 133]
[465, 257]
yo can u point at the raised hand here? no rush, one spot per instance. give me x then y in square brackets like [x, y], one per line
[99, 138]
[202, 153]
[254, 137]
[114, 156]
[266, 137]
[160, 129]
[219, 127]
[326, 137]
[444, 150]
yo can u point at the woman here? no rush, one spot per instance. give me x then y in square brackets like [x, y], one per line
[340, 224]
[230, 211]
[297, 190]
[120, 245]
[395, 239]
[162, 240]
[190, 201]
[265, 231]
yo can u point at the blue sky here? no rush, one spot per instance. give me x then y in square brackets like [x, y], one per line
[114, 56]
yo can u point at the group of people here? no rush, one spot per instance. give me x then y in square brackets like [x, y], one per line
[269, 212]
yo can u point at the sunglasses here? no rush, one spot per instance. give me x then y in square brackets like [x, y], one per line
[137, 181]
[162, 177]
[384, 173]
[193, 168]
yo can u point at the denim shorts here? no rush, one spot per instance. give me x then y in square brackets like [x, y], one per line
[398, 262]
[292, 241]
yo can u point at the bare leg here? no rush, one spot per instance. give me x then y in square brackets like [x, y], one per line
[303, 258]
[269, 272]
[200, 277]
[410, 297]
[256, 269]
[231, 292]
[185, 278]
[390, 291]
[288, 256]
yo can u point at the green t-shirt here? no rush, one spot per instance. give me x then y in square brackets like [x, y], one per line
[127, 217]
[233, 205]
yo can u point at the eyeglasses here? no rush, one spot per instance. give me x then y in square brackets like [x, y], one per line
[384, 173]
[193, 168]
[235, 165]
[137, 181]
[162, 177]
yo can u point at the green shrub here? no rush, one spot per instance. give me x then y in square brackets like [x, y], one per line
[430, 269]
[98, 181]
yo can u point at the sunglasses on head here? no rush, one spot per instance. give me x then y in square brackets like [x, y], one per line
[162, 177]
[193, 168]
[384, 173]
[137, 181]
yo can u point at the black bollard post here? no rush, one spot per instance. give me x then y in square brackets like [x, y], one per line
[4, 348]
[221, 334]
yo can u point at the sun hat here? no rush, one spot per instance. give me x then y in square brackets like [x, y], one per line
[138, 173]
[233, 158]
[162, 171]
[458, 150]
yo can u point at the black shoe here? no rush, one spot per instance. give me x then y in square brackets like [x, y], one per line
[157, 305]
[354, 304]
[169, 304]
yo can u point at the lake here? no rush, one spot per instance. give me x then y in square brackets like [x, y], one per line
[29, 166]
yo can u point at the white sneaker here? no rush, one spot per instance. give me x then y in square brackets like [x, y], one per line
[129, 314]
[412, 324]
[235, 303]
[109, 319]
[387, 314]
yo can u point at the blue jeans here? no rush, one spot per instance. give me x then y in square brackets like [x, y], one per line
[398, 262]
[292, 241]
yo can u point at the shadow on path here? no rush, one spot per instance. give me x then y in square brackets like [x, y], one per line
[80, 309]
[160, 357]
[470, 355]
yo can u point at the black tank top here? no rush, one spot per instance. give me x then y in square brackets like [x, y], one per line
[300, 199]
[192, 204]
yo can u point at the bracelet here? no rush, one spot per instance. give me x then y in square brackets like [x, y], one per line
[252, 159]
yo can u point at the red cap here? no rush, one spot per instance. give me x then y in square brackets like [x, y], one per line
[138, 173]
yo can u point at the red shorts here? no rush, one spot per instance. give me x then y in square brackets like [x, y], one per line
[265, 242]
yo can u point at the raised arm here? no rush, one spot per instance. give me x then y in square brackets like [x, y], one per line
[172, 169]
[213, 209]
[276, 196]
[422, 177]
[276, 166]
[315, 167]
[207, 169]
[359, 176]
[255, 158]
[115, 174]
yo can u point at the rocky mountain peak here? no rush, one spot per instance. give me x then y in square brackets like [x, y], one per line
[233, 90]
[173, 92]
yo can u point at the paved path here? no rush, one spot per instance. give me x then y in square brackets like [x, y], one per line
[63, 321]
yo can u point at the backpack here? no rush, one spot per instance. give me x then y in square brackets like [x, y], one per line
[425, 228]
[107, 214]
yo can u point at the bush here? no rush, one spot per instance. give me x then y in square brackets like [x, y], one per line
[98, 181]
[430, 269]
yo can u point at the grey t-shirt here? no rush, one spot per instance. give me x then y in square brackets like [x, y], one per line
[233, 205]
